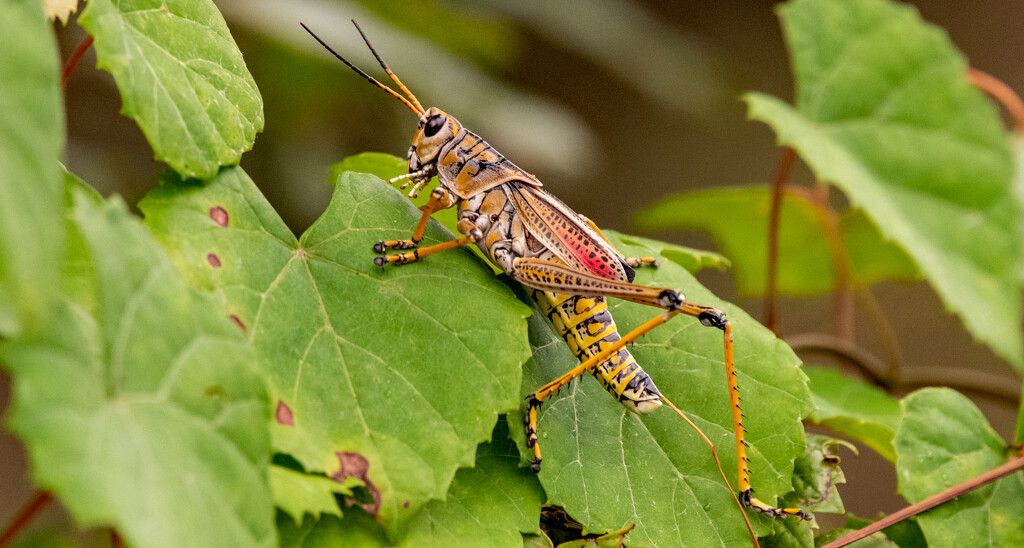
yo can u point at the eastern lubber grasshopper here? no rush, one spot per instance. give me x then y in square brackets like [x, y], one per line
[559, 255]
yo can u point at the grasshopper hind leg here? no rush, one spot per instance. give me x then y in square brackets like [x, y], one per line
[555, 277]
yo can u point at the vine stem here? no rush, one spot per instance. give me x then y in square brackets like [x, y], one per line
[1002, 93]
[842, 299]
[931, 502]
[989, 385]
[69, 67]
[714, 454]
[25, 515]
[786, 162]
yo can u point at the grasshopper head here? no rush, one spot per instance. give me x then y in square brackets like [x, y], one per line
[435, 130]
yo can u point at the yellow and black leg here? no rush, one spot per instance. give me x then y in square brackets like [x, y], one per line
[559, 278]
[439, 199]
[536, 399]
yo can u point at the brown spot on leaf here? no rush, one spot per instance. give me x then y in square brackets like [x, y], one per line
[405, 504]
[283, 414]
[219, 215]
[354, 465]
[238, 322]
[213, 259]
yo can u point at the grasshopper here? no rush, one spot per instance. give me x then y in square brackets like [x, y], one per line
[562, 257]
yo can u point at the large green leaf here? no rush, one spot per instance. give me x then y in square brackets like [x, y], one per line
[181, 78]
[386, 167]
[491, 504]
[851, 407]
[885, 112]
[943, 440]
[31, 139]
[610, 468]
[815, 477]
[389, 375]
[149, 417]
[738, 220]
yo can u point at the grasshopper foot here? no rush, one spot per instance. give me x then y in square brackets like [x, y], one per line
[748, 499]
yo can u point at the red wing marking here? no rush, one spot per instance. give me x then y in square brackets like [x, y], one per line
[563, 231]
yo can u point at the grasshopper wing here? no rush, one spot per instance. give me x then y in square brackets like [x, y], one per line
[565, 233]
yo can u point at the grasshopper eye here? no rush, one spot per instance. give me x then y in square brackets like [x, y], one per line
[433, 126]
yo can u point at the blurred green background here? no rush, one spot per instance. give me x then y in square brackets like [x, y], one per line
[613, 104]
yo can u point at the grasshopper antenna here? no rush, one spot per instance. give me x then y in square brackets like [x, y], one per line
[416, 108]
[387, 69]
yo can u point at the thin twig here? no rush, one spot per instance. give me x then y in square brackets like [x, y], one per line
[25, 515]
[714, 453]
[69, 67]
[930, 502]
[1002, 93]
[886, 334]
[865, 362]
[786, 162]
[842, 298]
[982, 383]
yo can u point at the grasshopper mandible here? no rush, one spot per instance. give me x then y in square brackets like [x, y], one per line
[559, 255]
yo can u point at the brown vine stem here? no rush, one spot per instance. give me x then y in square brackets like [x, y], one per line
[886, 334]
[1002, 93]
[714, 454]
[930, 502]
[865, 362]
[786, 162]
[989, 385]
[25, 515]
[69, 67]
[842, 299]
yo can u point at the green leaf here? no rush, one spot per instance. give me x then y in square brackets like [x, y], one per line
[854, 408]
[537, 541]
[610, 468]
[491, 504]
[906, 534]
[149, 417]
[693, 260]
[388, 167]
[738, 220]
[944, 440]
[380, 164]
[389, 375]
[816, 474]
[298, 494]
[181, 78]
[614, 539]
[877, 540]
[885, 113]
[31, 140]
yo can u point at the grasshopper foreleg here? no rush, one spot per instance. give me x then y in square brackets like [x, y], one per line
[439, 199]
